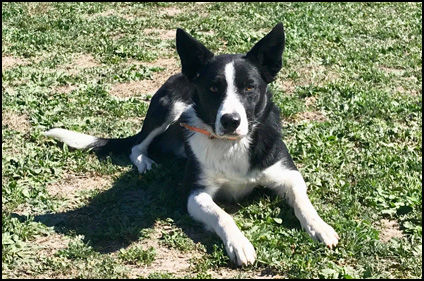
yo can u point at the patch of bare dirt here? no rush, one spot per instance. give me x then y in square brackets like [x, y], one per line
[72, 184]
[118, 36]
[112, 12]
[48, 245]
[171, 66]
[24, 209]
[131, 17]
[15, 121]
[287, 86]
[181, 264]
[314, 116]
[170, 11]
[208, 33]
[230, 273]
[10, 62]
[311, 73]
[391, 70]
[161, 33]
[81, 62]
[147, 86]
[132, 89]
[66, 89]
[310, 101]
[402, 90]
[37, 8]
[389, 229]
[106, 13]
[166, 260]
[43, 246]
[316, 74]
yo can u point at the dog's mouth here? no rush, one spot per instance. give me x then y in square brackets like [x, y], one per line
[211, 134]
[233, 137]
[230, 135]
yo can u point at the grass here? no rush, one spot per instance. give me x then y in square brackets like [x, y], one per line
[138, 255]
[351, 100]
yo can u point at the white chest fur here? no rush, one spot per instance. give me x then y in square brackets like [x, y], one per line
[224, 164]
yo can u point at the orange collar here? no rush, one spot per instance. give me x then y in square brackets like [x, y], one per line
[206, 133]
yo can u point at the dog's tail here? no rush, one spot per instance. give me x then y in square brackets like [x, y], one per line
[100, 145]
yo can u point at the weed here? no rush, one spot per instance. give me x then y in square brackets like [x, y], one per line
[138, 255]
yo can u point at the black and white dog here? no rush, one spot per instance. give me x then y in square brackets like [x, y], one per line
[218, 113]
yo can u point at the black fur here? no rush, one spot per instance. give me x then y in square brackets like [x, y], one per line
[267, 53]
[201, 70]
[228, 96]
[177, 87]
[192, 53]
[267, 146]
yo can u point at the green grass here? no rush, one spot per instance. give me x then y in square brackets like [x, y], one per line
[357, 65]
[138, 255]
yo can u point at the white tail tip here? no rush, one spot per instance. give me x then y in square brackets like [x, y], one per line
[71, 138]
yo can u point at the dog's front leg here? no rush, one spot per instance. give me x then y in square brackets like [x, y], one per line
[160, 115]
[202, 208]
[289, 183]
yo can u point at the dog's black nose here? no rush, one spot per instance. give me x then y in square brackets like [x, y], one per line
[230, 122]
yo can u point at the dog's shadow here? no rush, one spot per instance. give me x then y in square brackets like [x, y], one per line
[115, 218]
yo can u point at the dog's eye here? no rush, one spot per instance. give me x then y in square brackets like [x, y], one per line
[249, 88]
[213, 89]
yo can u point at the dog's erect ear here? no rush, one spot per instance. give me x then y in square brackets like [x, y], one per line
[267, 53]
[192, 53]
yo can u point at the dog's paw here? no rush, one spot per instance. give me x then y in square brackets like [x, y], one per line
[321, 231]
[240, 250]
[143, 163]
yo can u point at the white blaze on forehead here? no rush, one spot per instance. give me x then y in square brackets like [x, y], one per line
[231, 104]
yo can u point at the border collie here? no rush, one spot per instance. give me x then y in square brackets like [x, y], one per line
[219, 114]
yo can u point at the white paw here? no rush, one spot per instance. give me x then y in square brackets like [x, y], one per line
[321, 231]
[142, 162]
[240, 250]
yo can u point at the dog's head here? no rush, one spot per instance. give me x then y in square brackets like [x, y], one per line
[231, 89]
